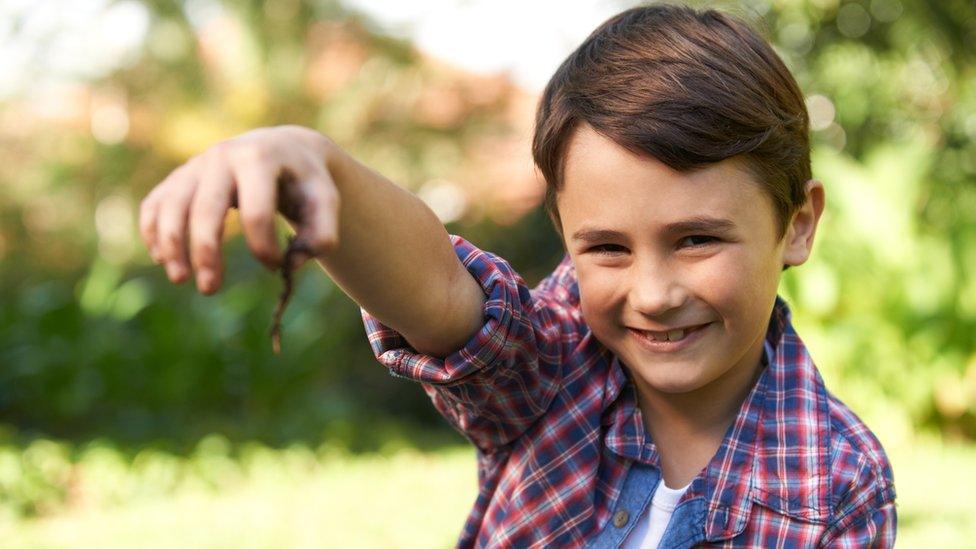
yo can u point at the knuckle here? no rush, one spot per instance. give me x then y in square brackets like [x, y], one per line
[171, 238]
[257, 220]
[205, 246]
[172, 187]
[146, 224]
[290, 129]
[203, 204]
[190, 166]
[179, 173]
[251, 153]
[145, 205]
[220, 150]
[204, 253]
[213, 162]
[310, 134]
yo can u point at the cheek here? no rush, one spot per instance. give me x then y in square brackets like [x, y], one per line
[737, 280]
[599, 297]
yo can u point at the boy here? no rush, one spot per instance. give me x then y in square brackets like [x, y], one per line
[651, 391]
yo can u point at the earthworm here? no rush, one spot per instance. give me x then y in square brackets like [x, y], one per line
[295, 246]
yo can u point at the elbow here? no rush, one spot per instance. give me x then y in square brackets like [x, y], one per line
[460, 317]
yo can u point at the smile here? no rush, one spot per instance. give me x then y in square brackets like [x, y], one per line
[669, 341]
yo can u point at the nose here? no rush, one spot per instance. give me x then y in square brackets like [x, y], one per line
[655, 288]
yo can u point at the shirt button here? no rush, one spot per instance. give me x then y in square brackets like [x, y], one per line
[620, 518]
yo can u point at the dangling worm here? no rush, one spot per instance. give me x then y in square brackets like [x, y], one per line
[295, 246]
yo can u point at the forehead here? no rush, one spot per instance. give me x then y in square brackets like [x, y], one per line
[606, 185]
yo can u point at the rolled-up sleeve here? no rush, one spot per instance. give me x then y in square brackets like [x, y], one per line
[506, 376]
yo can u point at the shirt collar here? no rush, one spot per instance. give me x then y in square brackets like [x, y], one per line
[625, 428]
[776, 452]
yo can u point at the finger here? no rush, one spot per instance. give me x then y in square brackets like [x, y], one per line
[173, 213]
[257, 199]
[319, 225]
[148, 216]
[208, 209]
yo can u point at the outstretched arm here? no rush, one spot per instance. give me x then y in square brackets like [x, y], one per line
[381, 244]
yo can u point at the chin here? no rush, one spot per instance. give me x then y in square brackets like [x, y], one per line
[670, 384]
[677, 387]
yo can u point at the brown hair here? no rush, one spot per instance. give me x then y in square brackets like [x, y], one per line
[688, 88]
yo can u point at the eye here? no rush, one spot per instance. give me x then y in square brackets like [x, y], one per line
[607, 249]
[697, 241]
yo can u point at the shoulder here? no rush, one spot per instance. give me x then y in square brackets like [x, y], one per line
[861, 475]
[816, 460]
[856, 464]
[561, 284]
[486, 267]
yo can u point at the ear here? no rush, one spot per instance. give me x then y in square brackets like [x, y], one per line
[803, 226]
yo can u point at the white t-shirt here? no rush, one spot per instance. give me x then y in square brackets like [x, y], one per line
[651, 525]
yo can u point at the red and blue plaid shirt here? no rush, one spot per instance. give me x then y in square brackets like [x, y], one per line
[554, 418]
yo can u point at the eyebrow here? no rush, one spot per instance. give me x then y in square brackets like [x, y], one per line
[694, 224]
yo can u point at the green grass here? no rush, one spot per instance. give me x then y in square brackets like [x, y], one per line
[297, 497]
[407, 499]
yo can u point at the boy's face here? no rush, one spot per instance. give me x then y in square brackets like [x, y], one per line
[696, 259]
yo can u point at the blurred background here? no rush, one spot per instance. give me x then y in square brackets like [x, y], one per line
[134, 412]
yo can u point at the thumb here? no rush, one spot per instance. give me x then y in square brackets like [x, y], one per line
[318, 229]
[297, 253]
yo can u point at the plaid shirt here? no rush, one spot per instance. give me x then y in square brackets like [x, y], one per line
[553, 415]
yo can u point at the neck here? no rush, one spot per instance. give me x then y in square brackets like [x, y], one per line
[688, 428]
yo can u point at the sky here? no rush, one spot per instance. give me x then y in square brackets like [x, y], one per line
[528, 38]
[48, 42]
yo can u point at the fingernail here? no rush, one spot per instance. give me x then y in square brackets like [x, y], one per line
[205, 281]
[175, 271]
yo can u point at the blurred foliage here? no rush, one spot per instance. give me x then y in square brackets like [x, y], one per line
[95, 342]
[226, 494]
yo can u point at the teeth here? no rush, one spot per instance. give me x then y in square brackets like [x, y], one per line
[670, 335]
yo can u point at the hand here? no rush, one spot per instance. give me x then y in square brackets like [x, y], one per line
[261, 172]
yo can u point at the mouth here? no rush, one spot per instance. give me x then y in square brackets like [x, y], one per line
[670, 340]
